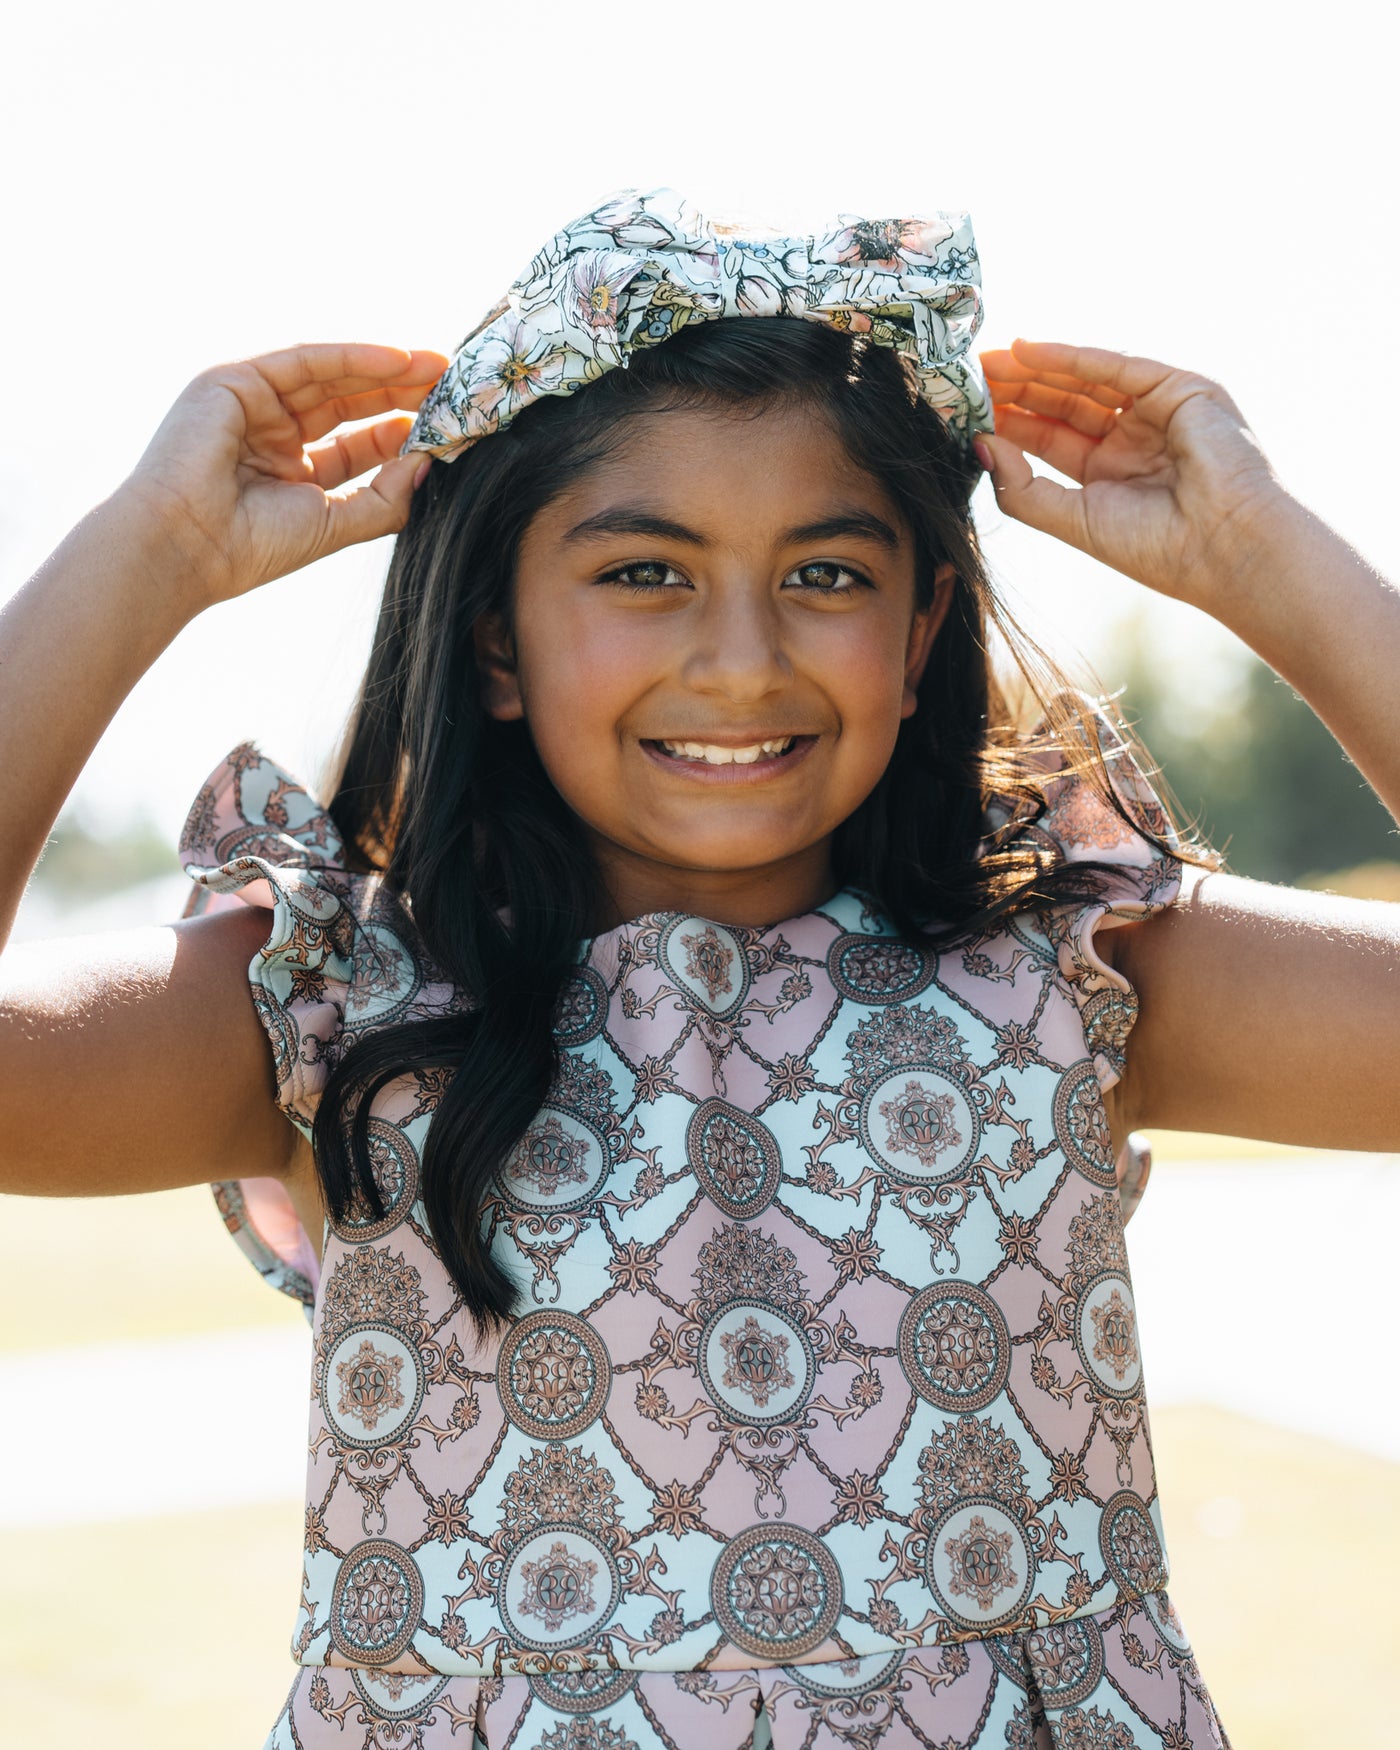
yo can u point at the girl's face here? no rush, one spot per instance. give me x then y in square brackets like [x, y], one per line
[720, 581]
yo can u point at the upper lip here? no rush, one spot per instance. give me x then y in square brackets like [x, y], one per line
[731, 740]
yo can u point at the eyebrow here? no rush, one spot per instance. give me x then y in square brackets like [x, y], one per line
[622, 520]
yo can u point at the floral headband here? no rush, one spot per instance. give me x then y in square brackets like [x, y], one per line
[637, 269]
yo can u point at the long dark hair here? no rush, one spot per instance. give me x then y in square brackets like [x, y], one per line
[458, 814]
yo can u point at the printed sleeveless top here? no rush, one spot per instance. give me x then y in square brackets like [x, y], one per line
[827, 1347]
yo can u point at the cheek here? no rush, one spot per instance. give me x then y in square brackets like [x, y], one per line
[864, 675]
[577, 687]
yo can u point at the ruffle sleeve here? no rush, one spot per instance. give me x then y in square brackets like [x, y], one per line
[341, 958]
[255, 835]
[1131, 876]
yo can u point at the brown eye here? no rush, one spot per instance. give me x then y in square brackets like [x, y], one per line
[824, 575]
[642, 574]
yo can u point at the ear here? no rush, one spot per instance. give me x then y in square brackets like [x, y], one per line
[495, 661]
[922, 635]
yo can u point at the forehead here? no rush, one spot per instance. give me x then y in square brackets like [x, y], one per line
[729, 472]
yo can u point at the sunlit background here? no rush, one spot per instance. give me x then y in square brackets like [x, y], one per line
[1210, 185]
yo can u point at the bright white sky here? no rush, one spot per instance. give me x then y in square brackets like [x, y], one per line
[1208, 184]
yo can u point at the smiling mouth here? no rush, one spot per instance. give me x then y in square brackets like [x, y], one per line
[711, 754]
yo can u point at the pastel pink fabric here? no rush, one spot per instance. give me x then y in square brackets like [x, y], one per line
[823, 1421]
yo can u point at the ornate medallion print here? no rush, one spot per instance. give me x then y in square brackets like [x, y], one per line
[581, 1692]
[394, 1163]
[1106, 1336]
[557, 1484]
[1162, 1614]
[386, 977]
[376, 1604]
[370, 1284]
[558, 1164]
[745, 1263]
[1081, 1126]
[583, 1008]
[878, 969]
[845, 1678]
[280, 1035]
[920, 1125]
[1097, 1245]
[707, 961]
[757, 1364]
[954, 1346]
[553, 1373]
[1109, 1016]
[1130, 1546]
[971, 1456]
[776, 1591]
[1023, 929]
[372, 1386]
[788, 1193]
[1067, 1659]
[396, 1695]
[589, 1734]
[736, 1158]
[559, 1588]
[979, 1564]
[1004, 1651]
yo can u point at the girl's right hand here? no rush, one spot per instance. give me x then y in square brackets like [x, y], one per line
[243, 475]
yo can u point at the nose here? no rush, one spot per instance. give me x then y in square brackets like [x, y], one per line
[737, 648]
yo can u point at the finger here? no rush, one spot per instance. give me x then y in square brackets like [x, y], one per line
[1002, 363]
[1031, 498]
[347, 409]
[294, 367]
[1075, 411]
[380, 507]
[1005, 377]
[1105, 397]
[1093, 364]
[1067, 451]
[422, 371]
[350, 454]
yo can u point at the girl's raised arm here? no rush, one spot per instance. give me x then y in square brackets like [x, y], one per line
[1266, 1012]
[102, 1039]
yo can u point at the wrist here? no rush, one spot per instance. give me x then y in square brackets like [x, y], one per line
[1260, 542]
[182, 568]
[1300, 595]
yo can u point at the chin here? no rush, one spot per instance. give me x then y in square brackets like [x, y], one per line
[696, 859]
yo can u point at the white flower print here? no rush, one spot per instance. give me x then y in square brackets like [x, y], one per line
[511, 368]
[626, 219]
[593, 298]
[759, 297]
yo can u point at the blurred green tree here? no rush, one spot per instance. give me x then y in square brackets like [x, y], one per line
[1254, 768]
[80, 863]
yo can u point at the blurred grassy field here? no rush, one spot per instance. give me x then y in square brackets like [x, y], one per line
[173, 1630]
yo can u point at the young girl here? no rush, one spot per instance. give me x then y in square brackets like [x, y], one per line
[708, 1024]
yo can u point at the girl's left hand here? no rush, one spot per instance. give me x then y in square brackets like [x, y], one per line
[1173, 487]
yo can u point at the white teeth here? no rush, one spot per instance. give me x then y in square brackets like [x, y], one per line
[726, 756]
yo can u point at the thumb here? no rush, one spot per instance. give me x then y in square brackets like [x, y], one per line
[1031, 498]
[380, 507]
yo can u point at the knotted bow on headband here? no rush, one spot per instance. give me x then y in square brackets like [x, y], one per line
[636, 270]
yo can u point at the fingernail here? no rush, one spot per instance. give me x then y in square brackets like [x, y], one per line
[984, 455]
[422, 473]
